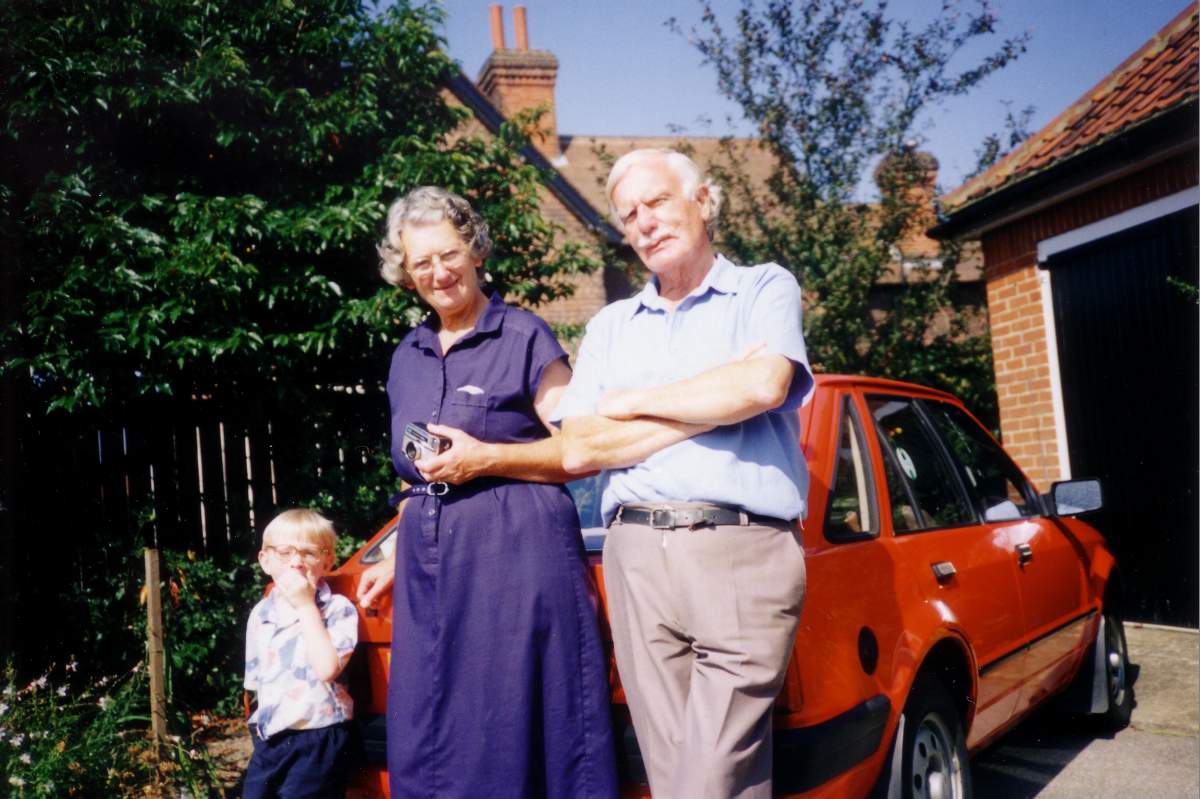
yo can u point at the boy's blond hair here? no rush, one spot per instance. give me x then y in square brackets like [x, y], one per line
[302, 523]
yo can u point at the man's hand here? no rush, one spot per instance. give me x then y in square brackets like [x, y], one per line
[375, 581]
[619, 404]
[297, 588]
[465, 460]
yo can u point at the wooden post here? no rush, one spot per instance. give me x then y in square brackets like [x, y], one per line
[154, 640]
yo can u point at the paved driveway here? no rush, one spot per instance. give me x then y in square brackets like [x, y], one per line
[1158, 755]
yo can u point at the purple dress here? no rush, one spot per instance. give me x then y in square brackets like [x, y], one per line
[498, 682]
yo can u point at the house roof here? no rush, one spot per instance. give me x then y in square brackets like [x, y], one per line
[470, 95]
[1159, 77]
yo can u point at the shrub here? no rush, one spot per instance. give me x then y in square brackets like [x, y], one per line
[87, 738]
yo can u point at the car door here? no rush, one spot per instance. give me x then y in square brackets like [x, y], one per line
[966, 569]
[1052, 570]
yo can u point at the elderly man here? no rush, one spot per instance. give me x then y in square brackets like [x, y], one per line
[685, 396]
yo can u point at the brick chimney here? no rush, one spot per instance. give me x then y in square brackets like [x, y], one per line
[515, 80]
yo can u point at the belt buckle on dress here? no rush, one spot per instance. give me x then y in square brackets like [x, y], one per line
[662, 518]
[438, 489]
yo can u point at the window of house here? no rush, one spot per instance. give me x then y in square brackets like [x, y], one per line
[993, 482]
[919, 476]
[852, 513]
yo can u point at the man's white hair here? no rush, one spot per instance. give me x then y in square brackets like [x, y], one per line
[690, 176]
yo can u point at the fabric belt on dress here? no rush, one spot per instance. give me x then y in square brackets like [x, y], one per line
[438, 489]
[670, 518]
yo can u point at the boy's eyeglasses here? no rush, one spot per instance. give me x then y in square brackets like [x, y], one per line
[306, 554]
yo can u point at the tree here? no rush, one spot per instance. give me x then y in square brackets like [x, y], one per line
[194, 190]
[834, 86]
[191, 194]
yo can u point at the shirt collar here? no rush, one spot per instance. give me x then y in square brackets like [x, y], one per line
[720, 278]
[489, 321]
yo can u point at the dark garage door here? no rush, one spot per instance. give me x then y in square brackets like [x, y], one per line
[1128, 354]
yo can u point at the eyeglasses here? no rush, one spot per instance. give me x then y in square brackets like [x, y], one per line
[307, 554]
[450, 259]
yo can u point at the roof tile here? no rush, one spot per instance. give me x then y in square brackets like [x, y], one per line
[1160, 75]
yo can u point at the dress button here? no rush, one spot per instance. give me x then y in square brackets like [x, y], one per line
[431, 512]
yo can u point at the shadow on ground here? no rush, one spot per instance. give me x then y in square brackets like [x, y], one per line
[1027, 758]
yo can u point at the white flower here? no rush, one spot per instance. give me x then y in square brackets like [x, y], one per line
[73, 666]
[25, 758]
[3, 733]
[17, 740]
[16, 782]
[105, 702]
[3, 708]
[40, 682]
[62, 690]
[9, 690]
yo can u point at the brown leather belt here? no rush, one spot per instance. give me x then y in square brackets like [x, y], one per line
[671, 518]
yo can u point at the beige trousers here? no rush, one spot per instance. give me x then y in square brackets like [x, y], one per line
[703, 623]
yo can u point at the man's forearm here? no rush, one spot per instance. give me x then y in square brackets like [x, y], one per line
[726, 394]
[590, 443]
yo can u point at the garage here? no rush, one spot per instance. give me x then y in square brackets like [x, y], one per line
[1089, 236]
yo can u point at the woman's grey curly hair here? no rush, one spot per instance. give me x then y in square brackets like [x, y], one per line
[428, 205]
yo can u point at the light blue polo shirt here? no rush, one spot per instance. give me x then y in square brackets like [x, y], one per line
[755, 465]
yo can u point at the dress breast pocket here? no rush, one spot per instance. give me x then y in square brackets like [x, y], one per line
[467, 412]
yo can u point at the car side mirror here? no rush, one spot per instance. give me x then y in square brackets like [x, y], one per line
[1071, 497]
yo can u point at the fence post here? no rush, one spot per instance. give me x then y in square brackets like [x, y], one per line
[154, 641]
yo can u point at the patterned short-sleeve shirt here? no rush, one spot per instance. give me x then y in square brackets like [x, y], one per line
[290, 696]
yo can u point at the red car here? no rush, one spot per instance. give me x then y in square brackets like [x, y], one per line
[946, 599]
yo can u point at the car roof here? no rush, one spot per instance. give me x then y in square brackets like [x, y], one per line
[881, 383]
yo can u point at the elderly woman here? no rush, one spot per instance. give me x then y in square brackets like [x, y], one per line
[498, 684]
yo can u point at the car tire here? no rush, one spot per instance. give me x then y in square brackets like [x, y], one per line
[935, 763]
[1116, 674]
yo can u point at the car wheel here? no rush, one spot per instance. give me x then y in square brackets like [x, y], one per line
[1116, 674]
[935, 751]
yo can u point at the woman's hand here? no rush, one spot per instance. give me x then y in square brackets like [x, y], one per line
[375, 581]
[466, 459]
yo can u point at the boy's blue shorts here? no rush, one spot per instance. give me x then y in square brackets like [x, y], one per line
[300, 764]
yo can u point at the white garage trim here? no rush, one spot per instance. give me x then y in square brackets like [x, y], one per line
[1056, 395]
[1116, 223]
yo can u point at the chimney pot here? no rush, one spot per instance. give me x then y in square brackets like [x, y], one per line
[519, 25]
[497, 26]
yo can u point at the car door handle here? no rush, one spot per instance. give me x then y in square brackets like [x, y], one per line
[1024, 554]
[943, 571]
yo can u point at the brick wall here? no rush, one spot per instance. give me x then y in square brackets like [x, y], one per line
[1023, 373]
[1019, 343]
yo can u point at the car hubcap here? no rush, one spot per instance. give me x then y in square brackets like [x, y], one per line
[935, 766]
[1116, 664]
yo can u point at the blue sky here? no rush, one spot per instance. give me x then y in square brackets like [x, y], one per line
[621, 71]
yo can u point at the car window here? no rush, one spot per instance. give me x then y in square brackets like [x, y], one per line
[851, 513]
[935, 499]
[383, 548]
[586, 494]
[993, 481]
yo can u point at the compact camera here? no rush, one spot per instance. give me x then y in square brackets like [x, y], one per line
[419, 441]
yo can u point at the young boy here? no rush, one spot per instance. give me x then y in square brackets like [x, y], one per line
[297, 642]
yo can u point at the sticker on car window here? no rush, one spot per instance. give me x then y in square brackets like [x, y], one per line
[906, 463]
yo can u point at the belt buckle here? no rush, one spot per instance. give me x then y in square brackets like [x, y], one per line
[438, 489]
[662, 518]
